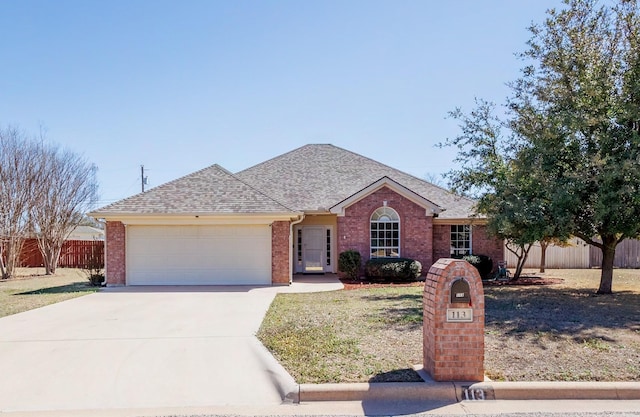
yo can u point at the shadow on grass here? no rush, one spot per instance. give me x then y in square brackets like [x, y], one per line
[62, 289]
[398, 309]
[560, 311]
[397, 375]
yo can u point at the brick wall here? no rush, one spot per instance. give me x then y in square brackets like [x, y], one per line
[452, 351]
[485, 245]
[115, 262]
[481, 243]
[415, 227]
[280, 262]
[441, 241]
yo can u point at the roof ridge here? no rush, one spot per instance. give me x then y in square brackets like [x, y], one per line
[273, 158]
[406, 173]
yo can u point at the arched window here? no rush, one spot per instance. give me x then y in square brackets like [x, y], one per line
[385, 233]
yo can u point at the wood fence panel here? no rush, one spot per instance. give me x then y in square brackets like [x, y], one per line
[74, 253]
[30, 255]
[575, 256]
[627, 255]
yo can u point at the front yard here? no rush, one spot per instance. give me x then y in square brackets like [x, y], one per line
[533, 333]
[32, 289]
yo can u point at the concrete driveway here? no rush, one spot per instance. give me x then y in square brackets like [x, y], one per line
[143, 347]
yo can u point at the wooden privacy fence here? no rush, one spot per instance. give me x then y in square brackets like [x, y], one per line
[579, 255]
[627, 255]
[571, 257]
[74, 253]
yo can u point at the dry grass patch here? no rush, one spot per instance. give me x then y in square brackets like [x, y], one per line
[32, 289]
[345, 336]
[538, 333]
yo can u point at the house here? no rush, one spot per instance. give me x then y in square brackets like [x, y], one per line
[292, 214]
[86, 233]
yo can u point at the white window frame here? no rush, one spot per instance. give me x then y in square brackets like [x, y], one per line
[456, 245]
[388, 218]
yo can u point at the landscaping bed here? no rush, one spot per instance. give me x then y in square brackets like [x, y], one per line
[558, 329]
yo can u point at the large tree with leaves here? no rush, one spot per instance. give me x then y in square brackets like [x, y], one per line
[577, 105]
[514, 200]
[574, 126]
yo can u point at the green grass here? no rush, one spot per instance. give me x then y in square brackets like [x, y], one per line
[554, 332]
[32, 289]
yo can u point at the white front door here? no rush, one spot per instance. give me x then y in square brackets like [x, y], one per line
[313, 249]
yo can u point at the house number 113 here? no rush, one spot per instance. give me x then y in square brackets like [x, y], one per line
[459, 315]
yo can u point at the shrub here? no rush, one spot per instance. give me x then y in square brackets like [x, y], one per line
[96, 280]
[349, 262]
[404, 269]
[94, 265]
[483, 264]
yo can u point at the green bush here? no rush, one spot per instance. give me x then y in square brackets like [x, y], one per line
[483, 264]
[403, 269]
[349, 262]
[96, 280]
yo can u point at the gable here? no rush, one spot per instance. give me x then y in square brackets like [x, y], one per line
[315, 178]
[430, 208]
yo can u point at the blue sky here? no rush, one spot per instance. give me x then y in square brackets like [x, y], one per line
[181, 85]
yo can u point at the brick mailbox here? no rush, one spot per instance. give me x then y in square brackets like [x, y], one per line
[453, 330]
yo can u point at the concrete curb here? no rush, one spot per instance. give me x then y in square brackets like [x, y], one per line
[461, 391]
[445, 391]
[553, 390]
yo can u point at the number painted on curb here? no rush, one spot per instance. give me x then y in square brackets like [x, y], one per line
[471, 394]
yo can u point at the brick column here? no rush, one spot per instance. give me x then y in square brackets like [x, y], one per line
[453, 329]
[115, 254]
[280, 262]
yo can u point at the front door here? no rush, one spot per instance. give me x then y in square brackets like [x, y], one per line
[313, 249]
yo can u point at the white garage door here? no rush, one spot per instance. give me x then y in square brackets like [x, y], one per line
[199, 255]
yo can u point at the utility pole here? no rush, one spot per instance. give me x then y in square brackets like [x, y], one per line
[143, 179]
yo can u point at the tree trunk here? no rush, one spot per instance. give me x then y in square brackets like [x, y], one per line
[609, 243]
[522, 259]
[543, 255]
[50, 253]
[3, 269]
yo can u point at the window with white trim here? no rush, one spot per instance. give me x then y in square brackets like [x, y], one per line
[460, 240]
[385, 233]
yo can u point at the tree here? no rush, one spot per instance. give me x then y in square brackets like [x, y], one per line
[20, 186]
[514, 200]
[69, 190]
[578, 107]
[43, 192]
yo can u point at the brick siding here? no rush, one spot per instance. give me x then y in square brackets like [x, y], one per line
[481, 243]
[280, 262]
[415, 227]
[115, 262]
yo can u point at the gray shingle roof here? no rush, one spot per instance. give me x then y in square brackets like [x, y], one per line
[317, 177]
[212, 190]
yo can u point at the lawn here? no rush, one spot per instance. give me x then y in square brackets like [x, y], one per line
[32, 289]
[553, 332]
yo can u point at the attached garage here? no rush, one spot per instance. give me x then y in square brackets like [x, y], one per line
[198, 255]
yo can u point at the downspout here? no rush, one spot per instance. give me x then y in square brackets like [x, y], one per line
[293, 223]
